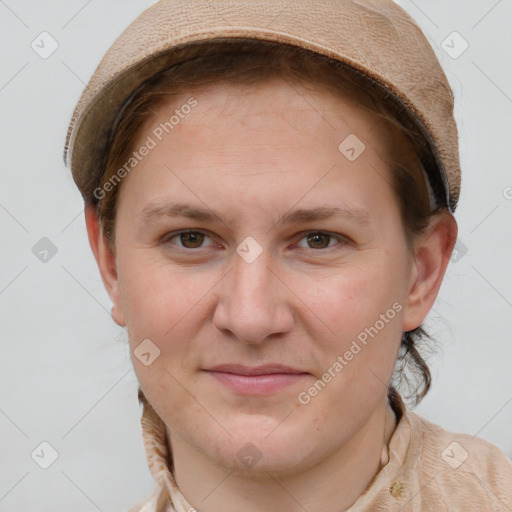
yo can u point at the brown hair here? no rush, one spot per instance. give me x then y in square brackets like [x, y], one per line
[244, 62]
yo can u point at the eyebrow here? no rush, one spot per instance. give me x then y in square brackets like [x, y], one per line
[154, 213]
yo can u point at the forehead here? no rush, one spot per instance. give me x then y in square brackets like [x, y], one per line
[272, 140]
[273, 107]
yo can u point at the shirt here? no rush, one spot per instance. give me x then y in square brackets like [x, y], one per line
[428, 468]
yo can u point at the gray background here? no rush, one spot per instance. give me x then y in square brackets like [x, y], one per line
[65, 373]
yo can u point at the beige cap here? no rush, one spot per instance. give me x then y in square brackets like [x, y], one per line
[377, 38]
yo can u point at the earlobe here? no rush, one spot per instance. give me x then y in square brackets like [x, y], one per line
[106, 262]
[431, 257]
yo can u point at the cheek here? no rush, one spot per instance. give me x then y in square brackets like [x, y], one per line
[167, 307]
[158, 297]
[362, 306]
[363, 310]
[349, 300]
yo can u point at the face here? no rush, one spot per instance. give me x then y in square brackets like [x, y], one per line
[299, 259]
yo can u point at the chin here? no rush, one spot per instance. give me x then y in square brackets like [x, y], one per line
[255, 452]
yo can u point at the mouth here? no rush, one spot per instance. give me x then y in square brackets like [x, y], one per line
[266, 369]
[259, 380]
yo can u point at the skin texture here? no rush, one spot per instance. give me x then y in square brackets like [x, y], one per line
[253, 154]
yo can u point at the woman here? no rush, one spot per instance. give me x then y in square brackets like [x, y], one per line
[269, 196]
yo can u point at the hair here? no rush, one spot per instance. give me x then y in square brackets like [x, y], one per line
[245, 62]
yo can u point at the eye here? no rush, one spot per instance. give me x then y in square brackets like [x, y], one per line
[188, 239]
[192, 239]
[321, 240]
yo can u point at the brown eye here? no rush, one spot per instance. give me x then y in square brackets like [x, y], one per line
[318, 240]
[322, 242]
[192, 239]
[186, 239]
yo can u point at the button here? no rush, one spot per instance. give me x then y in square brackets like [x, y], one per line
[396, 489]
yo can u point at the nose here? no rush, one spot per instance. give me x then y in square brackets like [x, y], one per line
[253, 303]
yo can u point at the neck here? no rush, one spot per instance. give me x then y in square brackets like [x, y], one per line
[333, 484]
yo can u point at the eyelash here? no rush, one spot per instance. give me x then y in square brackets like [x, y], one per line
[166, 239]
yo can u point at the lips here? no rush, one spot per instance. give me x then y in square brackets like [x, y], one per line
[261, 380]
[266, 369]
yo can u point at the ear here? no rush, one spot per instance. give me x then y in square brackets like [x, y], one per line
[432, 251]
[106, 261]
